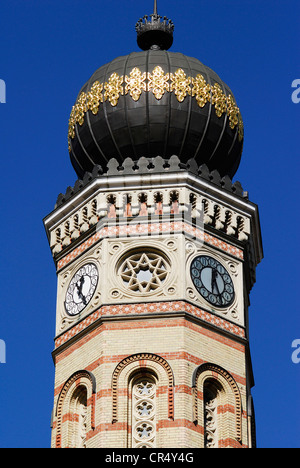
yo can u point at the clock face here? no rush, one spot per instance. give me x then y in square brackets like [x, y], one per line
[212, 281]
[81, 289]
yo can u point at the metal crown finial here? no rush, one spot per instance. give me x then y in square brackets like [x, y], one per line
[154, 31]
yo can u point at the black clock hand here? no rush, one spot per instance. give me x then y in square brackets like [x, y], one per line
[79, 289]
[79, 285]
[81, 282]
[213, 280]
[218, 290]
[215, 283]
[82, 297]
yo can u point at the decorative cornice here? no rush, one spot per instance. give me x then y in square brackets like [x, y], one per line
[156, 165]
[84, 207]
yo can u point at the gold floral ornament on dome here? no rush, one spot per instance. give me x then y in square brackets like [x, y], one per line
[95, 97]
[71, 132]
[235, 117]
[135, 83]
[158, 82]
[113, 88]
[180, 84]
[218, 99]
[80, 109]
[201, 90]
[77, 115]
[232, 112]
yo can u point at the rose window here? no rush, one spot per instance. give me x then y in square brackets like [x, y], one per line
[144, 272]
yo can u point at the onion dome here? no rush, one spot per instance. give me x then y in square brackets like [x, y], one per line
[155, 103]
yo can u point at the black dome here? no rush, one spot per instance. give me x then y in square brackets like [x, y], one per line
[152, 103]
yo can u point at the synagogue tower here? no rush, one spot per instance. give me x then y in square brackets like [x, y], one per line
[155, 249]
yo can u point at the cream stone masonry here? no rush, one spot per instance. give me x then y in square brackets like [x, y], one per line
[178, 251]
[220, 209]
[145, 321]
[184, 346]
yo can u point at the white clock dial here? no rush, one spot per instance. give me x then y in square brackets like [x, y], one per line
[81, 289]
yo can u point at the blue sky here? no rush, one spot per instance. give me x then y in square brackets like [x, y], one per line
[49, 49]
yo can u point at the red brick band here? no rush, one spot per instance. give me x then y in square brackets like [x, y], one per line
[138, 229]
[151, 307]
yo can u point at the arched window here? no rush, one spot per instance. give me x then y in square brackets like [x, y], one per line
[142, 397]
[143, 411]
[75, 411]
[79, 414]
[211, 401]
[217, 407]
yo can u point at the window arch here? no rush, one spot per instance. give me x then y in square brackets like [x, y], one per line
[217, 406]
[211, 401]
[75, 410]
[142, 395]
[77, 430]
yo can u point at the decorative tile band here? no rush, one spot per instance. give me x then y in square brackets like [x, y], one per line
[158, 82]
[148, 308]
[136, 229]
